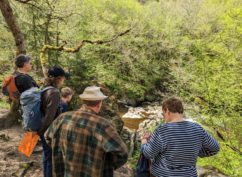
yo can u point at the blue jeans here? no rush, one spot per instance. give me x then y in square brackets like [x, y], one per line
[47, 158]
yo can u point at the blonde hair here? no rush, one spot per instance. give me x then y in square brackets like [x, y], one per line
[66, 91]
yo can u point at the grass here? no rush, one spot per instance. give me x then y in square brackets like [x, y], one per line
[4, 104]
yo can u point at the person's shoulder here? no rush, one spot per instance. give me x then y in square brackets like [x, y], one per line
[64, 117]
[194, 124]
[21, 76]
[180, 124]
[162, 127]
[67, 114]
[51, 90]
[102, 121]
[165, 126]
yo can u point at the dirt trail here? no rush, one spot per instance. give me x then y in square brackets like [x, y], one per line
[13, 163]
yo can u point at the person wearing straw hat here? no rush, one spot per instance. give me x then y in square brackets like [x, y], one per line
[85, 144]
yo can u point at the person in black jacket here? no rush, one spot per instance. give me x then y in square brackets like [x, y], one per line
[23, 80]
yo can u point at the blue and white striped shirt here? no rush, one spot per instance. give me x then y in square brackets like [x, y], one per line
[174, 148]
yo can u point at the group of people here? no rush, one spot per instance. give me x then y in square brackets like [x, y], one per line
[77, 143]
[81, 143]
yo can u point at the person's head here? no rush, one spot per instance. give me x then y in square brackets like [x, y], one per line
[23, 63]
[92, 97]
[66, 94]
[172, 108]
[56, 76]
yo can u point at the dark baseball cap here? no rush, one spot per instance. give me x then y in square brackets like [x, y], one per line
[21, 59]
[57, 71]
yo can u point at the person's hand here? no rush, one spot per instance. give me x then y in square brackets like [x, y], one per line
[145, 138]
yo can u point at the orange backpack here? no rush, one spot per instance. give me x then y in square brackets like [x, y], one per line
[9, 88]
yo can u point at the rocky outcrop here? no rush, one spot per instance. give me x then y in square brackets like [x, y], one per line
[137, 121]
[143, 118]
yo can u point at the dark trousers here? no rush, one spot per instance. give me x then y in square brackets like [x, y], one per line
[47, 158]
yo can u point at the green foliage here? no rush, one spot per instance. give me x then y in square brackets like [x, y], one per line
[208, 73]
[226, 161]
[124, 64]
[4, 104]
[191, 48]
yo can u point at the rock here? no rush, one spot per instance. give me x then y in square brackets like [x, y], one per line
[153, 120]
[4, 137]
[129, 115]
[131, 102]
[209, 171]
[128, 102]
[145, 104]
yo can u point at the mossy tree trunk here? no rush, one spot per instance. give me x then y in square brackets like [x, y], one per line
[12, 24]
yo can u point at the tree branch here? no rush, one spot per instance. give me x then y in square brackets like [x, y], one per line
[43, 58]
[228, 145]
[24, 1]
[28, 2]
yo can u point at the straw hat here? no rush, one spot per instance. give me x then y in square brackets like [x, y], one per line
[92, 93]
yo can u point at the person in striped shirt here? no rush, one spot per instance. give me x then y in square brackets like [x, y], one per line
[175, 145]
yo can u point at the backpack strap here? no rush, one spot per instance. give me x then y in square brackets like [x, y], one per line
[46, 88]
[16, 74]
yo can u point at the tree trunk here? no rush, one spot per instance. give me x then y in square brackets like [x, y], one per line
[13, 115]
[7, 13]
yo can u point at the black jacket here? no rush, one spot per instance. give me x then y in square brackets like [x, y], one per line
[24, 82]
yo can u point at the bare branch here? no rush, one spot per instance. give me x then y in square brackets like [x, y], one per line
[228, 145]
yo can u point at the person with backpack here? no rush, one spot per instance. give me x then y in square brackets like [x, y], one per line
[20, 81]
[85, 144]
[50, 107]
[175, 145]
[23, 80]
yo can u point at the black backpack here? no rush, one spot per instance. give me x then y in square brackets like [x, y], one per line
[143, 167]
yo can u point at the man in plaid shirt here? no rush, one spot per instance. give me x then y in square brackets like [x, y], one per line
[84, 144]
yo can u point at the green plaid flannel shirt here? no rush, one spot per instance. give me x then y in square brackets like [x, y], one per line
[85, 145]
